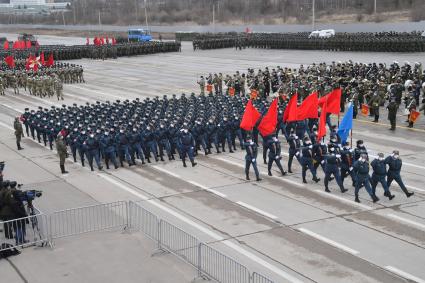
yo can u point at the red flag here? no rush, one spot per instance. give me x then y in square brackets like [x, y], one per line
[291, 109]
[102, 41]
[28, 44]
[6, 45]
[50, 62]
[107, 40]
[250, 117]
[10, 61]
[333, 103]
[309, 107]
[322, 100]
[15, 45]
[268, 123]
[87, 41]
[114, 41]
[35, 68]
[322, 123]
[42, 59]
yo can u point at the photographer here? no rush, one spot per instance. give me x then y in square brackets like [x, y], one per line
[12, 207]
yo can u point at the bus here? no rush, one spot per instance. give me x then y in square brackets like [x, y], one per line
[139, 35]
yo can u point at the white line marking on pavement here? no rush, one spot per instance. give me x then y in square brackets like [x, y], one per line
[328, 241]
[207, 189]
[166, 171]
[122, 186]
[10, 107]
[289, 181]
[402, 219]
[404, 274]
[416, 189]
[7, 126]
[253, 208]
[343, 199]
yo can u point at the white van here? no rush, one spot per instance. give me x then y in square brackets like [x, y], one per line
[326, 33]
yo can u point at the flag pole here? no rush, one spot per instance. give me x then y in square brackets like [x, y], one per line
[351, 137]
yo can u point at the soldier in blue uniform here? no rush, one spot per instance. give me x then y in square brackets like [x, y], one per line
[135, 140]
[81, 139]
[174, 141]
[394, 167]
[332, 161]
[306, 160]
[26, 120]
[187, 146]
[93, 151]
[359, 150]
[199, 136]
[212, 136]
[123, 147]
[347, 162]
[251, 158]
[361, 171]
[71, 140]
[164, 142]
[274, 155]
[294, 146]
[379, 174]
[108, 146]
[150, 141]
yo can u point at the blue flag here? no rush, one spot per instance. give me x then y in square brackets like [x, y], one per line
[346, 124]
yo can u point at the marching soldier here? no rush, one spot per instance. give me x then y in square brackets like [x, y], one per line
[19, 132]
[251, 158]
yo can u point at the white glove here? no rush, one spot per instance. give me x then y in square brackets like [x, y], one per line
[338, 156]
[297, 154]
[310, 146]
[253, 160]
[351, 150]
[323, 161]
[351, 168]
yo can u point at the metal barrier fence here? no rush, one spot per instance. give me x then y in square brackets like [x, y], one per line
[221, 267]
[23, 232]
[92, 218]
[258, 278]
[209, 262]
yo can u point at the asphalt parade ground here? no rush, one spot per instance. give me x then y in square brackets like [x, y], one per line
[280, 227]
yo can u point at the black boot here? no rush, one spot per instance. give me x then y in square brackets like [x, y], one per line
[327, 190]
[375, 198]
[247, 177]
[91, 167]
[409, 194]
[259, 179]
[82, 163]
[343, 190]
[194, 163]
[184, 163]
[270, 173]
[283, 172]
[304, 181]
[63, 169]
[316, 179]
[357, 199]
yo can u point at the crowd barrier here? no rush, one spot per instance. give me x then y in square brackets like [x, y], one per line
[43, 229]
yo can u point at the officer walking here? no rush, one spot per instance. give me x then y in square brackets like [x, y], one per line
[294, 145]
[19, 132]
[108, 145]
[361, 171]
[251, 158]
[62, 152]
[332, 161]
[378, 176]
[392, 113]
[394, 167]
[187, 146]
[274, 155]
[306, 160]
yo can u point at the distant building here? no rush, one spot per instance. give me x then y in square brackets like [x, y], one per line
[33, 6]
[27, 2]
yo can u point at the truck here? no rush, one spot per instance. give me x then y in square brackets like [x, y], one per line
[28, 37]
[325, 33]
[139, 35]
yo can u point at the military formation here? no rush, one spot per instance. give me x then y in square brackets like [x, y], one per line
[108, 51]
[361, 42]
[131, 133]
[45, 82]
[369, 86]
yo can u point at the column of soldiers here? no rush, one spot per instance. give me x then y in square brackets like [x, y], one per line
[373, 85]
[45, 82]
[363, 41]
[63, 52]
[122, 132]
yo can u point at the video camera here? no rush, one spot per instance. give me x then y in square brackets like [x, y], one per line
[26, 196]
